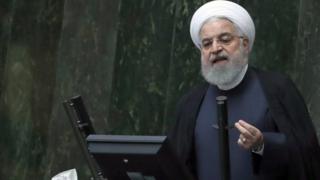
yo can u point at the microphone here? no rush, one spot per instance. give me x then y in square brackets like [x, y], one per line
[223, 136]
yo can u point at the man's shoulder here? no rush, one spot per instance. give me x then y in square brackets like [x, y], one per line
[271, 75]
[272, 79]
[193, 97]
[195, 91]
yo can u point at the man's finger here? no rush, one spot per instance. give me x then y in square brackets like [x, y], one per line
[252, 130]
[242, 144]
[243, 138]
[243, 130]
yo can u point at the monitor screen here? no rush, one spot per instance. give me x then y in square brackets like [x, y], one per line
[123, 157]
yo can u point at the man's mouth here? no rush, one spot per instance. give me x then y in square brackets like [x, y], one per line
[219, 58]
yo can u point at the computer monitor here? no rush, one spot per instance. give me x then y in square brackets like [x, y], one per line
[123, 157]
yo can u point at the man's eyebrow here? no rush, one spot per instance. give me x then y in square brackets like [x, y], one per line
[224, 33]
[210, 37]
[206, 39]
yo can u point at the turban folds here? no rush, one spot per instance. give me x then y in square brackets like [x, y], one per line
[225, 9]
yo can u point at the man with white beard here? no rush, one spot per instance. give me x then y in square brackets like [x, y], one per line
[223, 75]
[273, 138]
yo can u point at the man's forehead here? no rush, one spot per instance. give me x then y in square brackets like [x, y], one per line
[217, 27]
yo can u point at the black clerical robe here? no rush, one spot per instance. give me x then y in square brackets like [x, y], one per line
[288, 111]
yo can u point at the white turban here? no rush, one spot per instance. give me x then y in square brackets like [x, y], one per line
[226, 9]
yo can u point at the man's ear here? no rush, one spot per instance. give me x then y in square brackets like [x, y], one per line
[245, 44]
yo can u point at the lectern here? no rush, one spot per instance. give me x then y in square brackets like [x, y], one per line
[136, 158]
[120, 157]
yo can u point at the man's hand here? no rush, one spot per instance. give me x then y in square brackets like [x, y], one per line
[250, 137]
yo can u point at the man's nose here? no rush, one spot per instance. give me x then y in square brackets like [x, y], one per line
[215, 47]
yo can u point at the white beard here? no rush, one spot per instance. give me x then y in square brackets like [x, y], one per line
[225, 75]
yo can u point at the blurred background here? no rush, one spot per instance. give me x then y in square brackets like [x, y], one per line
[131, 60]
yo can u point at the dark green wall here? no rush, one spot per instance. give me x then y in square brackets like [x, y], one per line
[131, 60]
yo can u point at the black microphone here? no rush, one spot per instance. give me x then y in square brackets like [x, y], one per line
[222, 117]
